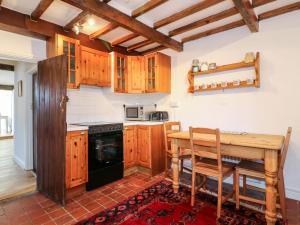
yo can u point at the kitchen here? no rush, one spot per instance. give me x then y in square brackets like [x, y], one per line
[100, 110]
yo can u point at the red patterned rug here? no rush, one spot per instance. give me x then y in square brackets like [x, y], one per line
[159, 205]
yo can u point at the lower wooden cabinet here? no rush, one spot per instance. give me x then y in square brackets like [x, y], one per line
[144, 146]
[76, 158]
[130, 146]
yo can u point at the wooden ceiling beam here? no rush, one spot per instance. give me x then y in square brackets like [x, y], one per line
[147, 7]
[19, 23]
[124, 39]
[121, 19]
[79, 19]
[279, 11]
[229, 26]
[246, 10]
[139, 45]
[204, 21]
[40, 9]
[257, 3]
[152, 50]
[186, 12]
[7, 67]
[104, 30]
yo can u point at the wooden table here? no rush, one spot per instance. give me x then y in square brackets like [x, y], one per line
[244, 146]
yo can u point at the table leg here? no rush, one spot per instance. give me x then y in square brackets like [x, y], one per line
[271, 169]
[175, 165]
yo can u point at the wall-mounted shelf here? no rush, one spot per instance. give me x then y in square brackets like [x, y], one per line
[228, 67]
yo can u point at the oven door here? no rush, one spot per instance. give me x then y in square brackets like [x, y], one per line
[105, 149]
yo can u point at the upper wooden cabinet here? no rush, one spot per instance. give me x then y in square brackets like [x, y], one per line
[71, 48]
[140, 74]
[158, 73]
[95, 67]
[120, 76]
[136, 74]
[76, 158]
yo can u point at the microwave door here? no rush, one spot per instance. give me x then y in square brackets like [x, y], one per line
[132, 113]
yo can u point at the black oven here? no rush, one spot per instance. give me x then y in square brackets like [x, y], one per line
[105, 149]
[105, 153]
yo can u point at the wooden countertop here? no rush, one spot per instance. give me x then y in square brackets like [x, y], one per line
[265, 141]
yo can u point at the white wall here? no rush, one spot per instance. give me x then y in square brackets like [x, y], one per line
[21, 48]
[269, 109]
[23, 117]
[101, 104]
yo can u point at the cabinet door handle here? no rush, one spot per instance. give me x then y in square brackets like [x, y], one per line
[82, 133]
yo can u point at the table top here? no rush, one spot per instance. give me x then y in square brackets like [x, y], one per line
[274, 142]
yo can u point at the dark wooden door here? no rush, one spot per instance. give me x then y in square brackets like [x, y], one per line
[50, 134]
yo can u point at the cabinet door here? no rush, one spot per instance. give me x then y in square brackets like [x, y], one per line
[71, 48]
[130, 154]
[144, 145]
[120, 73]
[95, 69]
[104, 70]
[76, 159]
[136, 74]
[163, 73]
[151, 71]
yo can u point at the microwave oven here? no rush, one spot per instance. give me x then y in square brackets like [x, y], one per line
[138, 112]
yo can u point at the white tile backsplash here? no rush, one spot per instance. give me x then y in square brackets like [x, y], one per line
[101, 104]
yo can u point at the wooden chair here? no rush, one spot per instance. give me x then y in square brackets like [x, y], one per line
[256, 170]
[207, 161]
[169, 128]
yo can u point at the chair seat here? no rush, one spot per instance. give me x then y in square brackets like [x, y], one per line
[251, 168]
[209, 167]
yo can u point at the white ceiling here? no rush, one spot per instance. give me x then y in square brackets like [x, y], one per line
[61, 13]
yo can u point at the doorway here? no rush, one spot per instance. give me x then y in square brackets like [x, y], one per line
[16, 177]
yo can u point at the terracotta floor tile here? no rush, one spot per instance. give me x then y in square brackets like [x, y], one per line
[92, 205]
[36, 213]
[78, 213]
[64, 220]
[58, 213]
[109, 204]
[97, 210]
[41, 220]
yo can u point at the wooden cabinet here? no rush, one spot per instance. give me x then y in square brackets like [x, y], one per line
[71, 48]
[76, 158]
[158, 73]
[144, 147]
[120, 76]
[130, 146]
[136, 74]
[95, 67]
[140, 74]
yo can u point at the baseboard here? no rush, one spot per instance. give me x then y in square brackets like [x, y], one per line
[19, 162]
[291, 193]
